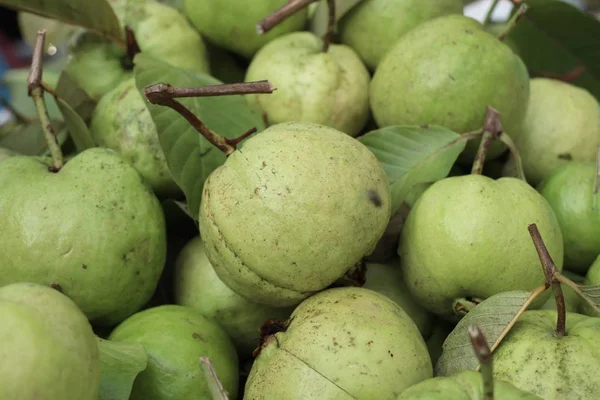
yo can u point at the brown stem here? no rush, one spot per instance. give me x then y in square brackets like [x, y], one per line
[49, 89]
[214, 383]
[131, 47]
[549, 273]
[484, 356]
[492, 129]
[512, 22]
[568, 77]
[328, 38]
[597, 180]
[281, 14]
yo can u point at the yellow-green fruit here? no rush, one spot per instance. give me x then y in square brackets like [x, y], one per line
[231, 24]
[122, 122]
[386, 21]
[6, 153]
[592, 278]
[175, 337]
[329, 88]
[47, 346]
[344, 343]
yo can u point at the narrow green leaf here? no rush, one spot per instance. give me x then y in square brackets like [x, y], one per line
[94, 15]
[320, 19]
[412, 155]
[591, 296]
[120, 363]
[78, 130]
[28, 139]
[68, 90]
[190, 157]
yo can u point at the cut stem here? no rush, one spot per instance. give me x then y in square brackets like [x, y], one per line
[597, 180]
[35, 89]
[512, 22]
[484, 356]
[328, 38]
[488, 17]
[214, 383]
[131, 47]
[550, 271]
[492, 129]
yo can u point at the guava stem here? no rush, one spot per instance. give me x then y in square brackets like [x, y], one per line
[281, 14]
[214, 384]
[35, 89]
[491, 131]
[597, 180]
[512, 22]
[328, 38]
[504, 138]
[550, 272]
[484, 356]
[131, 47]
[488, 16]
[164, 94]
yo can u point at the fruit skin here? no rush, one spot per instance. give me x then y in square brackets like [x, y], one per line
[289, 213]
[360, 344]
[175, 338]
[94, 228]
[312, 86]
[6, 153]
[591, 278]
[47, 346]
[386, 21]
[570, 193]
[231, 24]
[198, 286]
[456, 239]
[451, 71]
[562, 123]
[533, 358]
[464, 385]
[121, 121]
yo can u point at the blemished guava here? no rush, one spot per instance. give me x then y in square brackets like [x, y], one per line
[328, 88]
[448, 71]
[570, 193]
[343, 343]
[562, 124]
[121, 121]
[386, 21]
[231, 24]
[198, 286]
[533, 358]
[94, 229]
[467, 238]
[175, 337]
[47, 346]
[291, 211]
[591, 278]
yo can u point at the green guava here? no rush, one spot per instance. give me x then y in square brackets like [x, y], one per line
[94, 229]
[6, 153]
[343, 343]
[466, 239]
[291, 211]
[386, 21]
[47, 346]
[328, 88]
[175, 337]
[231, 24]
[198, 286]
[591, 278]
[448, 71]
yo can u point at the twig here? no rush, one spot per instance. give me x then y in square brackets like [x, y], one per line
[512, 22]
[131, 47]
[281, 14]
[484, 356]
[328, 38]
[214, 384]
[488, 17]
[491, 131]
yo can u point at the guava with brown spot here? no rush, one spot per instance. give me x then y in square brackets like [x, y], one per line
[289, 212]
[342, 343]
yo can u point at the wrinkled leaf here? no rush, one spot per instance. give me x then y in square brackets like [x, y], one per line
[95, 15]
[556, 38]
[68, 90]
[28, 139]
[120, 363]
[412, 154]
[78, 130]
[493, 316]
[190, 157]
[16, 82]
[318, 24]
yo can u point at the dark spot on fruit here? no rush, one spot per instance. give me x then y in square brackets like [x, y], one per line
[451, 77]
[391, 354]
[83, 266]
[264, 164]
[56, 286]
[197, 336]
[52, 169]
[374, 198]
[565, 156]
[425, 126]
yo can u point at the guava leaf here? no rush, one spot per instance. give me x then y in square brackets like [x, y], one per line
[28, 138]
[57, 33]
[78, 130]
[591, 294]
[494, 316]
[190, 157]
[68, 90]
[16, 82]
[319, 22]
[94, 15]
[414, 154]
[120, 363]
[555, 38]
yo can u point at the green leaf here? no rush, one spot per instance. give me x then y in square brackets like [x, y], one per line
[591, 294]
[94, 15]
[554, 38]
[120, 363]
[78, 130]
[412, 155]
[190, 157]
[493, 316]
[28, 139]
[16, 82]
[319, 22]
[68, 90]
[57, 33]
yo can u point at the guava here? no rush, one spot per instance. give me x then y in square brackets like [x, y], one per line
[466, 239]
[198, 286]
[291, 211]
[231, 24]
[175, 337]
[47, 346]
[562, 124]
[533, 358]
[591, 278]
[95, 230]
[386, 21]
[121, 121]
[6, 153]
[448, 71]
[342, 343]
[570, 192]
[328, 88]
